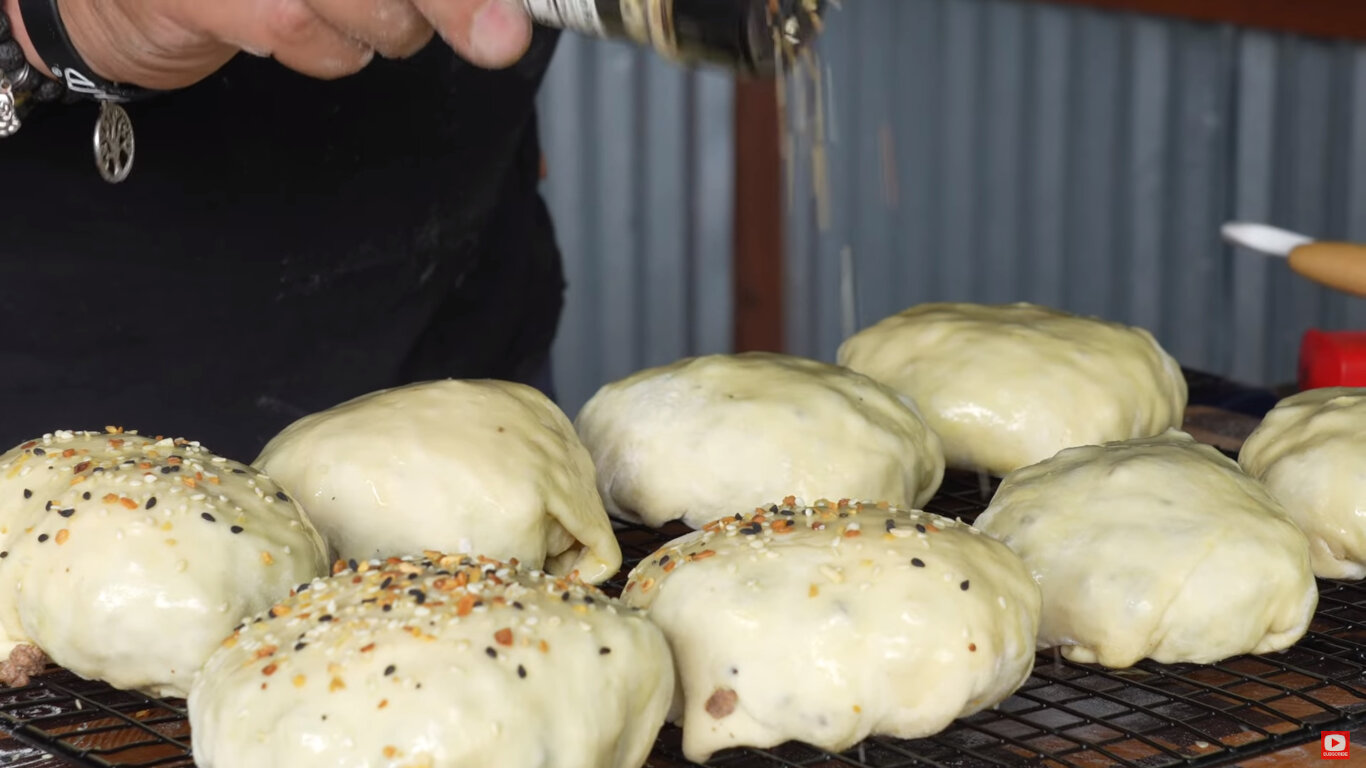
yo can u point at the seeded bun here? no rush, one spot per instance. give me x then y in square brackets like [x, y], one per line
[438, 660]
[127, 558]
[830, 623]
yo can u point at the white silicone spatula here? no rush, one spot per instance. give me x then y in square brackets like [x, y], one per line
[1340, 266]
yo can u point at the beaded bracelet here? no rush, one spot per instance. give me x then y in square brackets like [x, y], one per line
[20, 85]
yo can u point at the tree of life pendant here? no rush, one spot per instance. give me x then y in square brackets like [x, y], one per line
[114, 142]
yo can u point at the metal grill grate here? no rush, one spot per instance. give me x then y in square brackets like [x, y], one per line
[1066, 716]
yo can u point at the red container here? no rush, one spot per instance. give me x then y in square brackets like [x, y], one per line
[1332, 359]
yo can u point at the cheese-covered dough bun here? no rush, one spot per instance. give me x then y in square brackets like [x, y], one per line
[1309, 452]
[693, 439]
[831, 623]
[1156, 548]
[127, 558]
[440, 662]
[1007, 386]
[490, 467]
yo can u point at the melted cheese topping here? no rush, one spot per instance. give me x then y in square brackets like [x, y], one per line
[1008, 386]
[435, 661]
[128, 558]
[1308, 451]
[833, 622]
[465, 466]
[693, 439]
[1158, 548]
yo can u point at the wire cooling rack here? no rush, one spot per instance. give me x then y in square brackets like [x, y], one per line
[1066, 716]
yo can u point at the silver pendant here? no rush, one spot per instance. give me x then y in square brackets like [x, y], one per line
[113, 142]
[9, 111]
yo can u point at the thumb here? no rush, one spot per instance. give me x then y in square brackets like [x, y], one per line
[487, 33]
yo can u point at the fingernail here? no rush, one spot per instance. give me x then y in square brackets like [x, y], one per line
[501, 33]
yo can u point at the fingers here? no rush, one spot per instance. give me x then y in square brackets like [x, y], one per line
[487, 33]
[333, 38]
[290, 31]
[394, 28]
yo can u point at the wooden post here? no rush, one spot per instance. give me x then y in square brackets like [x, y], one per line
[758, 271]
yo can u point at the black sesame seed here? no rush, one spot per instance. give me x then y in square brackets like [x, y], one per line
[517, 605]
[603, 651]
[86, 495]
[369, 600]
[564, 597]
[492, 654]
[353, 564]
[477, 603]
[388, 607]
[418, 595]
[663, 561]
[587, 599]
[387, 581]
[389, 670]
[521, 671]
[891, 525]
[325, 617]
[963, 586]
[28, 494]
[917, 562]
[42, 537]
[152, 502]
[167, 470]
[920, 527]
[47, 507]
[303, 587]
[97, 470]
[68, 512]
[236, 529]
[4, 554]
[412, 576]
[300, 646]
[238, 471]
[207, 517]
[281, 496]
[773, 509]
[751, 530]
[738, 516]
[240, 627]
[39, 452]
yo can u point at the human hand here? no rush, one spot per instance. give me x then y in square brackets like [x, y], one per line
[167, 44]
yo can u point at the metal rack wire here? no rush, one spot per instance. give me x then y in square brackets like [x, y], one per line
[1066, 716]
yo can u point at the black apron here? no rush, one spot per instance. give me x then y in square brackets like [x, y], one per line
[282, 245]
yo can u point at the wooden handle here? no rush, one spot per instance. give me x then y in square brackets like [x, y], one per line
[1340, 266]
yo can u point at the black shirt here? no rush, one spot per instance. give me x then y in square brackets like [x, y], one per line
[282, 245]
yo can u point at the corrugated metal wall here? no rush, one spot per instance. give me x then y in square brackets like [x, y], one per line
[994, 150]
[641, 172]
